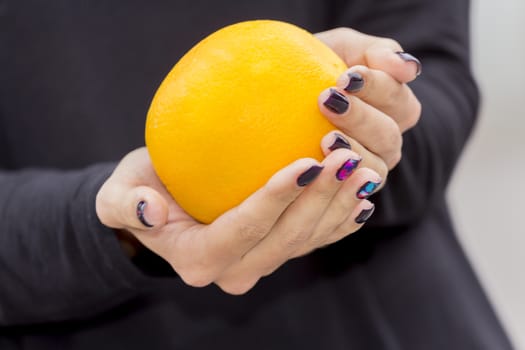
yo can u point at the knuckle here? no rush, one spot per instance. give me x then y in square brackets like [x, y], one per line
[389, 42]
[248, 227]
[295, 238]
[238, 287]
[195, 279]
[251, 232]
[382, 169]
[394, 160]
[278, 193]
[413, 118]
[317, 241]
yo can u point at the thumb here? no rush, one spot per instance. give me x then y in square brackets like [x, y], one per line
[132, 208]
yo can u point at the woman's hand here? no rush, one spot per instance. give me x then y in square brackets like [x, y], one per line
[304, 206]
[372, 102]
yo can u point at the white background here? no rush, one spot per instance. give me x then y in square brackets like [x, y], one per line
[488, 190]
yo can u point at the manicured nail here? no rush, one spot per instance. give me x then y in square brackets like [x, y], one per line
[409, 58]
[336, 102]
[355, 82]
[364, 215]
[309, 175]
[340, 142]
[347, 169]
[140, 213]
[367, 189]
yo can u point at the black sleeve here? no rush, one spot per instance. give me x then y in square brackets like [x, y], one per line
[437, 32]
[57, 261]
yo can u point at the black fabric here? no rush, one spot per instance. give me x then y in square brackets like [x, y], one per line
[76, 79]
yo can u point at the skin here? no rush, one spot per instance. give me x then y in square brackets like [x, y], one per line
[281, 220]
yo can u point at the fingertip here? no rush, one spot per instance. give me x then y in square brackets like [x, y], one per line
[415, 62]
[146, 209]
[364, 211]
[353, 79]
[333, 102]
[335, 140]
[401, 65]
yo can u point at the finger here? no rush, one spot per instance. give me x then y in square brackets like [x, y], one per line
[337, 139]
[133, 208]
[359, 216]
[230, 236]
[296, 225]
[401, 65]
[369, 126]
[357, 48]
[380, 90]
[363, 183]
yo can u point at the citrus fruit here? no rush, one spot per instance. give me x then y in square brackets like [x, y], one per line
[236, 108]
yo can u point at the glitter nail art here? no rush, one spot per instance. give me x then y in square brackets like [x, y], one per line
[347, 169]
[367, 189]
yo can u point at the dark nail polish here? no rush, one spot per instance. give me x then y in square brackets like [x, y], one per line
[347, 169]
[140, 213]
[367, 189]
[340, 142]
[337, 102]
[309, 175]
[355, 82]
[364, 215]
[409, 58]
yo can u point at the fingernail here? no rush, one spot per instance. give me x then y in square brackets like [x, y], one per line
[140, 213]
[309, 175]
[355, 82]
[367, 189]
[340, 142]
[409, 58]
[347, 169]
[336, 102]
[364, 215]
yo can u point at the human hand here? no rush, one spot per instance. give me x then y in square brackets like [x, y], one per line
[372, 102]
[304, 206]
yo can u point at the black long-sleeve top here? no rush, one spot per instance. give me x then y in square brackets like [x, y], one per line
[76, 79]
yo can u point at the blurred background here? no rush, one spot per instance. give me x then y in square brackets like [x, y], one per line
[488, 189]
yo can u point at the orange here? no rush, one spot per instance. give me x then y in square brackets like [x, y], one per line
[239, 106]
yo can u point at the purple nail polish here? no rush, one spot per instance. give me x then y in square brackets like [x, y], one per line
[141, 206]
[347, 169]
[364, 215]
[309, 175]
[336, 102]
[409, 58]
[355, 82]
[367, 189]
[340, 142]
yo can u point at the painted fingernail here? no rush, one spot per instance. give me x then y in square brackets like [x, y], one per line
[409, 58]
[309, 175]
[347, 169]
[141, 207]
[340, 142]
[364, 215]
[367, 189]
[355, 82]
[336, 102]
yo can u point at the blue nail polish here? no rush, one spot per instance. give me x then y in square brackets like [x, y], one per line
[367, 189]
